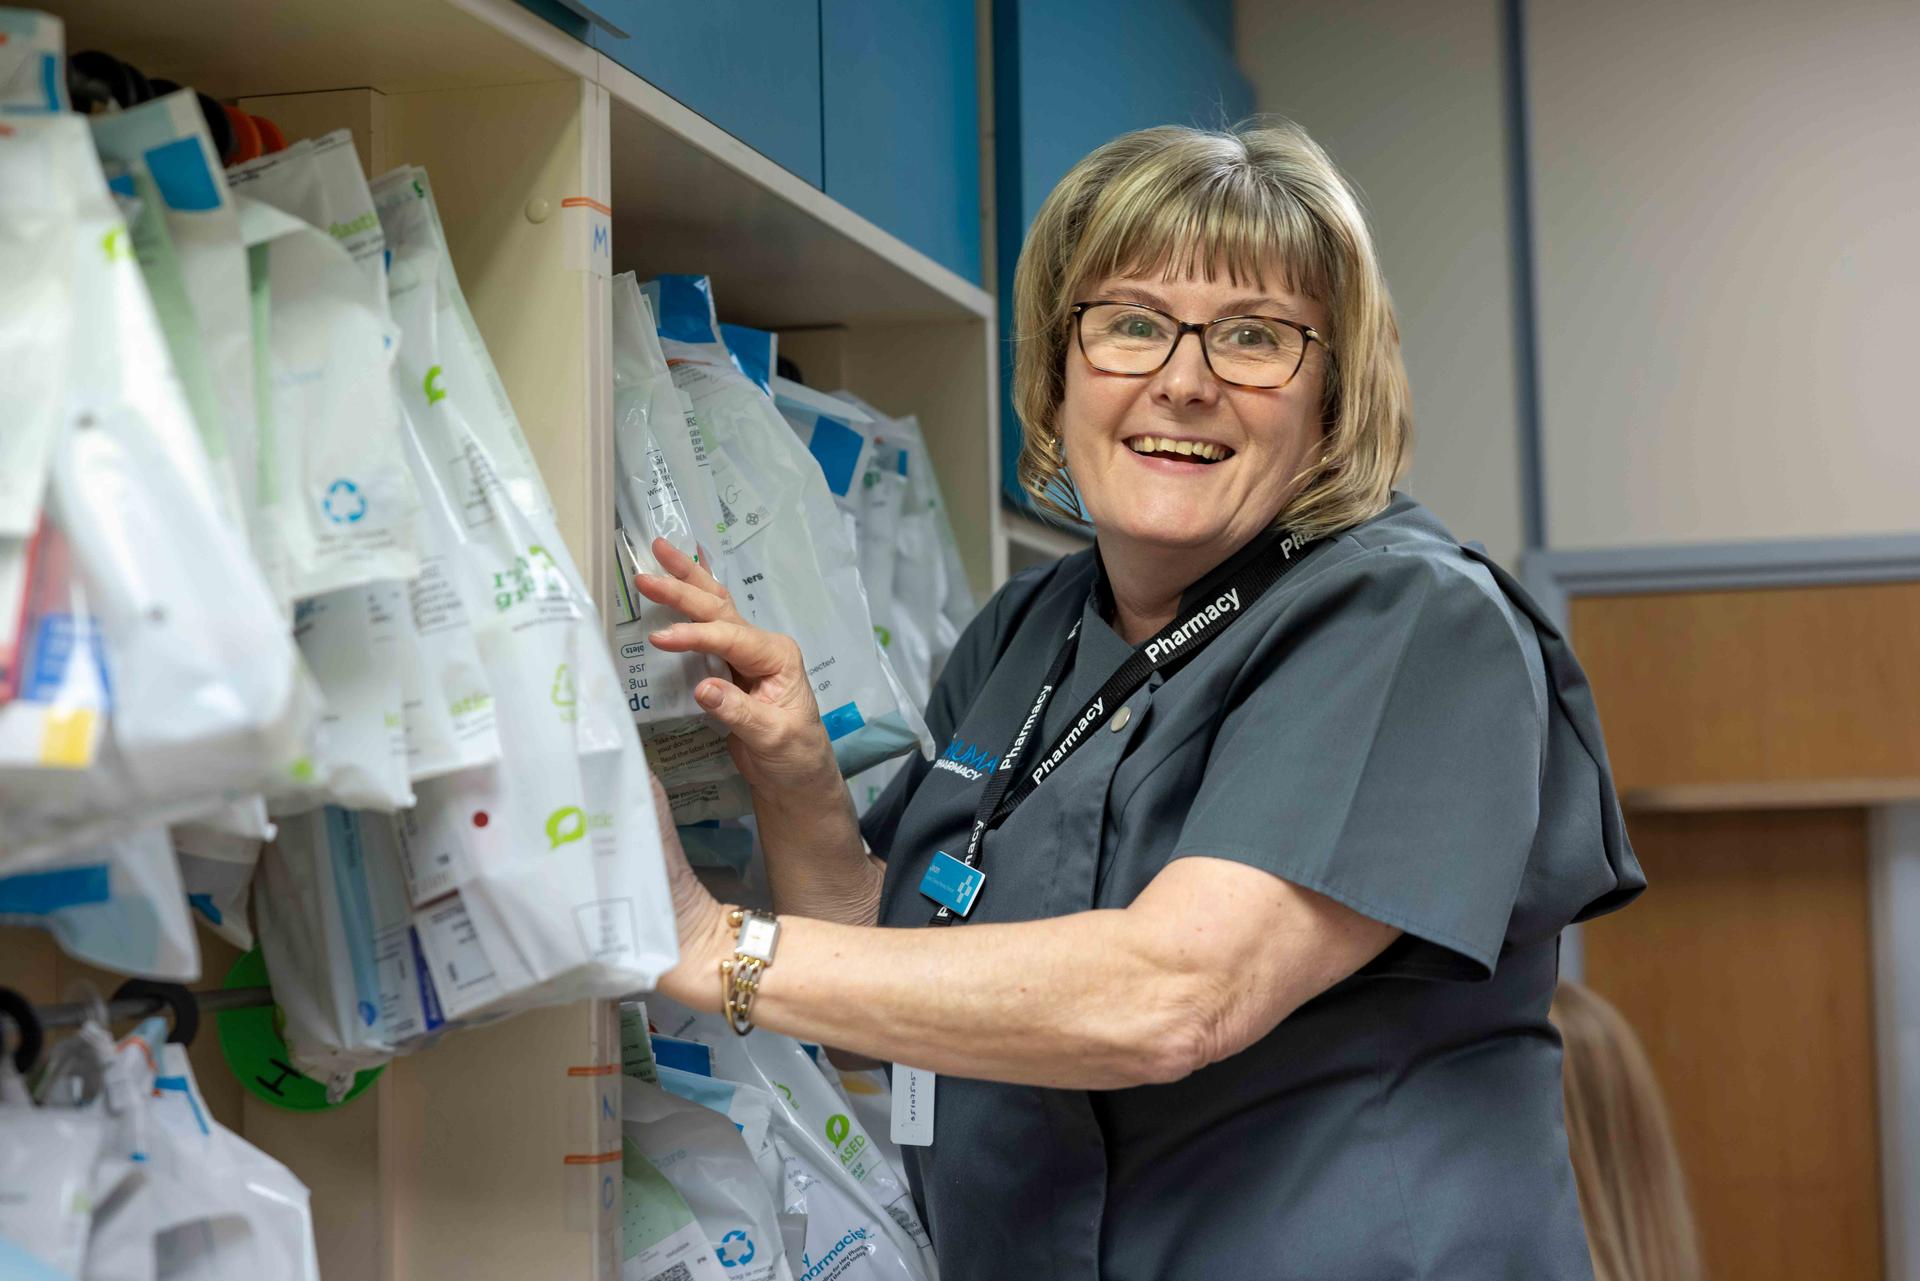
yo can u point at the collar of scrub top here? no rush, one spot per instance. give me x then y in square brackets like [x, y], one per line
[1198, 594]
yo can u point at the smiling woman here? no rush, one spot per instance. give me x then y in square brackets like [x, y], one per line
[1276, 748]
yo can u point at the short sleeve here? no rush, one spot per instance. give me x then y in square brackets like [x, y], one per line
[960, 681]
[1384, 747]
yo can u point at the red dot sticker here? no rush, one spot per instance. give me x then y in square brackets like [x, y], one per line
[480, 818]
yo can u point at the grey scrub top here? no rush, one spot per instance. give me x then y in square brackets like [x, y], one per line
[1395, 725]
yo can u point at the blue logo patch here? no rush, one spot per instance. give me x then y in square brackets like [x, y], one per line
[968, 760]
[961, 752]
[345, 504]
[734, 1249]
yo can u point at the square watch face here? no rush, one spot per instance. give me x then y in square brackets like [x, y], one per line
[757, 935]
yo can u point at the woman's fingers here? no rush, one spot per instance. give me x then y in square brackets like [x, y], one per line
[747, 650]
[686, 598]
[687, 569]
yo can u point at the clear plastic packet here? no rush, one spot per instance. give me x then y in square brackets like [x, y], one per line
[336, 933]
[711, 1165]
[208, 699]
[659, 1235]
[842, 1233]
[54, 715]
[354, 645]
[216, 867]
[804, 582]
[651, 445]
[226, 1211]
[834, 1139]
[33, 50]
[186, 234]
[118, 905]
[336, 501]
[537, 879]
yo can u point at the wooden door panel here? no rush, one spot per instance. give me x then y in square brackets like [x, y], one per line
[1746, 970]
[1766, 686]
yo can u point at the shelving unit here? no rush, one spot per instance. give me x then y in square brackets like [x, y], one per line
[553, 167]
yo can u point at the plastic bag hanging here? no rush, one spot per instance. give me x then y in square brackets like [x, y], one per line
[657, 491]
[336, 501]
[538, 879]
[187, 236]
[208, 701]
[805, 579]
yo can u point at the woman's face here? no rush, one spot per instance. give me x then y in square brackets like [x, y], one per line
[1108, 420]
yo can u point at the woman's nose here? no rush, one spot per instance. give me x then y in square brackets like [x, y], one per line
[1186, 378]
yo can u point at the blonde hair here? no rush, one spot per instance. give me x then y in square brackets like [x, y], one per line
[1248, 201]
[1633, 1193]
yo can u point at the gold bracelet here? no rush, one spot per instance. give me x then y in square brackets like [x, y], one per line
[740, 973]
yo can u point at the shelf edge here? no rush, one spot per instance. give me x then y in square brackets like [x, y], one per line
[628, 88]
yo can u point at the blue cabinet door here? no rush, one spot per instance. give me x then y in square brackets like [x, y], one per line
[1067, 76]
[750, 66]
[900, 110]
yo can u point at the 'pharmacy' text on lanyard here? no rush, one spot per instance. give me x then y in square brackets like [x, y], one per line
[954, 883]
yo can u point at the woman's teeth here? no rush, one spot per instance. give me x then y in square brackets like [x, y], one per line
[1204, 451]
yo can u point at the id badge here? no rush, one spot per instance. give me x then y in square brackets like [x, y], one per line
[912, 1122]
[952, 884]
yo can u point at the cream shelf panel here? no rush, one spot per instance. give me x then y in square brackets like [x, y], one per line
[236, 50]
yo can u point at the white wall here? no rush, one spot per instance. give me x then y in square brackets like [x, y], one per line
[1407, 95]
[1728, 234]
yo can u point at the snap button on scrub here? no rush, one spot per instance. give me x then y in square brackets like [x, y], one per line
[1120, 719]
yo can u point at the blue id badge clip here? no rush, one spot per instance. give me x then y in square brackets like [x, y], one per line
[952, 884]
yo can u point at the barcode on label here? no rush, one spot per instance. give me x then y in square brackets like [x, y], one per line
[678, 1272]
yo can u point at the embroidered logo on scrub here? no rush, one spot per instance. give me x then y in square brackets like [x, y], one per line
[968, 761]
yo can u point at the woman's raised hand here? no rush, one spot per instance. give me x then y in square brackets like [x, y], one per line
[777, 739]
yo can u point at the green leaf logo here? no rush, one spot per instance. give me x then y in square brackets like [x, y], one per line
[568, 823]
[838, 1127]
[434, 394]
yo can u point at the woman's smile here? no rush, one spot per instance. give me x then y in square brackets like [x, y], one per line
[1184, 452]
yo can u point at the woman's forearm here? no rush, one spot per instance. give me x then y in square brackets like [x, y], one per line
[817, 865]
[1080, 1001]
[1209, 958]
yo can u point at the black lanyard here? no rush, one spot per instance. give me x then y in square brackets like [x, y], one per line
[1166, 651]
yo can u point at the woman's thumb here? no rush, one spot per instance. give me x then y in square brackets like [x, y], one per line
[728, 704]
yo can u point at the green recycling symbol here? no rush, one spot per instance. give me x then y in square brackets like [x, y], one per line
[564, 693]
[569, 823]
[838, 1127]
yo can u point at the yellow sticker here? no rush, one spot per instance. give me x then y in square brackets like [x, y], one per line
[66, 738]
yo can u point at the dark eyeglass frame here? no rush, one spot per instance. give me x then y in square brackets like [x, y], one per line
[1184, 327]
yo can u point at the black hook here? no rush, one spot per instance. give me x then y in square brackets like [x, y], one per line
[19, 1009]
[185, 1008]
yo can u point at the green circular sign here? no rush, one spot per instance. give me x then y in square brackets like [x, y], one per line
[257, 1053]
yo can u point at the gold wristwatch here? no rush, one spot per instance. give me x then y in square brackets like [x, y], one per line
[740, 973]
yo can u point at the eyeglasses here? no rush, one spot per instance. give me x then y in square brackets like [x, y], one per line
[1245, 351]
